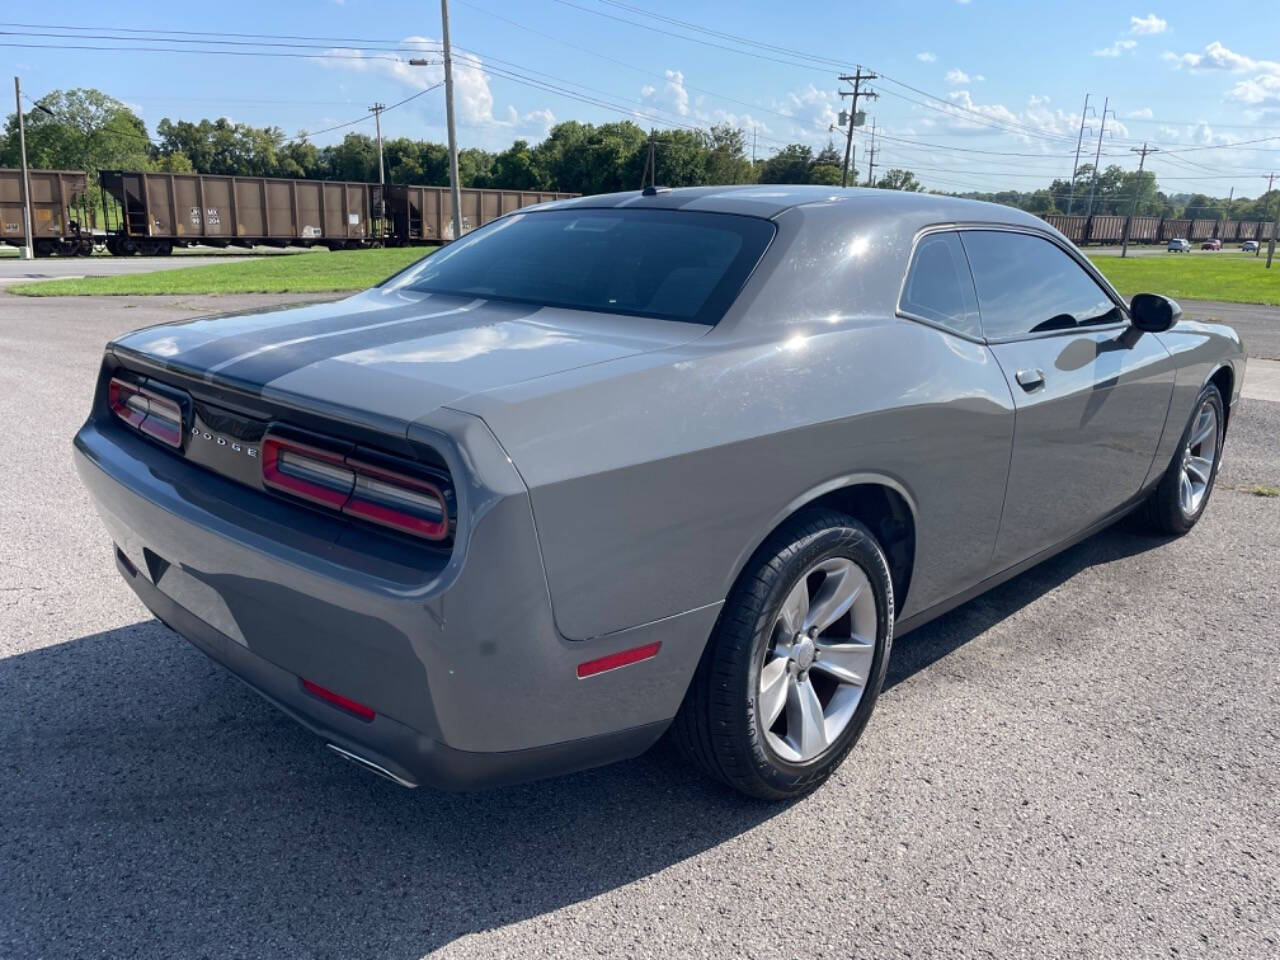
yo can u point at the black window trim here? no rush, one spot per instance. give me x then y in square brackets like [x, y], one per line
[993, 227]
[900, 311]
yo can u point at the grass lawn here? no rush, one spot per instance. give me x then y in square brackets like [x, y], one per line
[315, 272]
[1233, 277]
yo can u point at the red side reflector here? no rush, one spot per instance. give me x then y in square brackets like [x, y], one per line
[621, 659]
[338, 700]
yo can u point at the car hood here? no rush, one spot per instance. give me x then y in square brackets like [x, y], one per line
[394, 355]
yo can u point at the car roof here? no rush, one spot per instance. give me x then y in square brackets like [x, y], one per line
[770, 200]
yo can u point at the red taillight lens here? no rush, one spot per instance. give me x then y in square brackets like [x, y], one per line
[389, 498]
[394, 500]
[338, 700]
[305, 471]
[153, 414]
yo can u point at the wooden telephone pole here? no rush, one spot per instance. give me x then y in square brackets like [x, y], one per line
[855, 93]
[1137, 188]
[1271, 244]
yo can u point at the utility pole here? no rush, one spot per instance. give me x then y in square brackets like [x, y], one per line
[871, 158]
[649, 176]
[1271, 244]
[1079, 142]
[855, 93]
[1258, 252]
[1093, 185]
[455, 192]
[376, 110]
[26, 183]
[1137, 188]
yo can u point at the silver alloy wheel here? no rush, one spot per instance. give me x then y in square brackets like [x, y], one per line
[818, 661]
[1198, 458]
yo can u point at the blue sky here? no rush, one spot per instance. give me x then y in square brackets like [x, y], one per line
[982, 95]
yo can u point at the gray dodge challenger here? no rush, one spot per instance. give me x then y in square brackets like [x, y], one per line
[677, 460]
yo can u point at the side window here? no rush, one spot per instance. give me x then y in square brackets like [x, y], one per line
[1026, 284]
[939, 287]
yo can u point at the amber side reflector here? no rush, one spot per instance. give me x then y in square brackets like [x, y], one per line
[623, 658]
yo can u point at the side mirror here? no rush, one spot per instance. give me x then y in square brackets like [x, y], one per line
[1153, 313]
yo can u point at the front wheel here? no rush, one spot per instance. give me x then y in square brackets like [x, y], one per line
[1179, 499]
[792, 672]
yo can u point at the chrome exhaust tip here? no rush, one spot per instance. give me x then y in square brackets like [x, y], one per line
[369, 765]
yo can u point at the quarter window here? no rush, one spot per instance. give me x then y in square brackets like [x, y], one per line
[1026, 284]
[939, 288]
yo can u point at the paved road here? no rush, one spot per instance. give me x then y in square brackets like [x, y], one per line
[1084, 762]
[1259, 326]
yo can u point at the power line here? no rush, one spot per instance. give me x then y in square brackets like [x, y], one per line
[190, 52]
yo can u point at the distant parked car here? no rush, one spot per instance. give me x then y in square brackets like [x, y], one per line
[1179, 245]
[1211, 245]
[1249, 246]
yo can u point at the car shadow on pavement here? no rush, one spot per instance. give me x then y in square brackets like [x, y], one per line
[921, 648]
[153, 806]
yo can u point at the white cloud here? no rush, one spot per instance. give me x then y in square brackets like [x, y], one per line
[1141, 114]
[472, 95]
[1262, 91]
[1117, 48]
[670, 98]
[926, 57]
[1218, 57]
[957, 77]
[967, 117]
[810, 109]
[680, 96]
[1144, 26]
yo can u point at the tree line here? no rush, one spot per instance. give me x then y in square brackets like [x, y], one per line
[85, 129]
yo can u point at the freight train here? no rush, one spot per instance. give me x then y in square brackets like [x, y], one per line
[154, 213]
[1107, 228]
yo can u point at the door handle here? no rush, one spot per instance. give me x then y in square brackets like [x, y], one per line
[1030, 380]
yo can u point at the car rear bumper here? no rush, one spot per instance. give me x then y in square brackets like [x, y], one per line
[470, 682]
[383, 745]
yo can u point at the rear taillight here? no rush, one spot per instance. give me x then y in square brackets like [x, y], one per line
[394, 500]
[389, 498]
[154, 414]
[307, 472]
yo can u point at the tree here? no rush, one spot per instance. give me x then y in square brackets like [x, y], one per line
[516, 168]
[897, 179]
[81, 129]
[789, 165]
[1201, 207]
[727, 160]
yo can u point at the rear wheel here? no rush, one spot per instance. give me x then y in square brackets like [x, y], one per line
[1179, 499]
[790, 676]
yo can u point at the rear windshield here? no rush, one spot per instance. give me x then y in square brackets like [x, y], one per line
[670, 264]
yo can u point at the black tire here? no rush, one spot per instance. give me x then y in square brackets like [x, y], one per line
[717, 726]
[1163, 511]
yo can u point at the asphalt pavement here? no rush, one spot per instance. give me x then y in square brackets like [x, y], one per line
[1084, 762]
